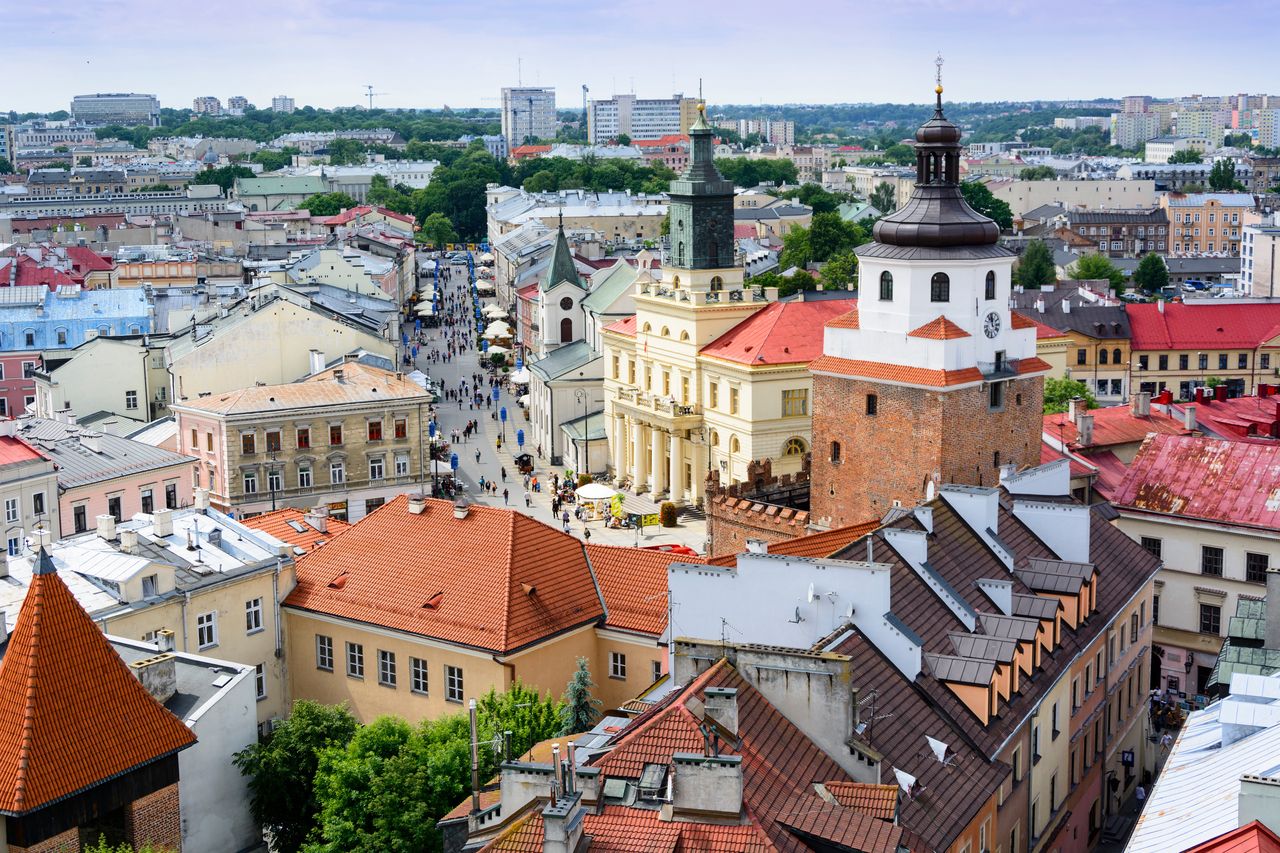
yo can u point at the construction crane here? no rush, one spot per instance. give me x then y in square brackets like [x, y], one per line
[369, 93]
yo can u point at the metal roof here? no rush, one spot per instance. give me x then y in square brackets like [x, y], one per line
[78, 465]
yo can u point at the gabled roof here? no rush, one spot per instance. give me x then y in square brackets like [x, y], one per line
[72, 715]
[565, 359]
[1253, 837]
[360, 383]
[1209, 327]
[781, 333]
[291, 525]
[78, 465]
[496, 580]
[1021, 321]
[1112, 426]
[847, 320]
[1228, 482]
[633, 582]
[940, 329]
[609, 284]
[562, 267]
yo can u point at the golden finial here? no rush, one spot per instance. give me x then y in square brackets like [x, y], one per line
[938, 76]
[702, 108]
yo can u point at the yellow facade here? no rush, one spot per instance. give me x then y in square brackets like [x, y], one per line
[1208, 223]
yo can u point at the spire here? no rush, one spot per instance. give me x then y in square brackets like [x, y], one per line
[562, 266]
[44, 563]
[938, 78]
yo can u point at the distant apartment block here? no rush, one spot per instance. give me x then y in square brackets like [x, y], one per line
[774, 131]
[282, 104]
[528, 112]
[116, 108]
[639, 118]
[1210, 124]
[1082, 122]
[206, 105]
[1137, 103]
[1129, 130]
[237, 103]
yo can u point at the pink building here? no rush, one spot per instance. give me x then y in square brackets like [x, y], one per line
[17, 388]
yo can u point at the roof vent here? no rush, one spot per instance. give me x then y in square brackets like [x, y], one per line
[529, 589]
[339, 582]
[417, 503]
[460, 510]
[434, 601]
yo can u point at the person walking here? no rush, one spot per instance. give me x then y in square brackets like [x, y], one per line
[477, 456]
[564, 520]
[504, 473]
[528, 499]
[505, 495]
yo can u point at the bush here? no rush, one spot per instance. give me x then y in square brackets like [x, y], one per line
[583, 479]
[667, 514]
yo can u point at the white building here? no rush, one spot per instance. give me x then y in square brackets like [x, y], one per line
[528, 112]
[1259, 244]
[282, 104]
[1130, 130]
[206, 105]
[116, 108]
[638, 118]
[1161, 148]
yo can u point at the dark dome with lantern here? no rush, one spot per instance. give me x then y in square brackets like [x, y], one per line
[937, 216]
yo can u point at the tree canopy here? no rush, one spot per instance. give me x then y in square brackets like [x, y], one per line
[547, 174]
[437, 231]
[1036, 267]
[223, 176]
[981, 200]
[748, 172]
[1096, 266]
[327, 204]
[1186, 155]
[1059, 392]
[1151, 274]
[6, 168]
[827, 236]
[1222, 177]
[883, 198]
[1038, 173]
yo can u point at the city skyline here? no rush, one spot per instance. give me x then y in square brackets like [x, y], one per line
[261, 53]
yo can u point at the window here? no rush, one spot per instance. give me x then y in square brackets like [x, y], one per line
[304, 476]
[1210, 619]
[1210, 560]
[1255, 567]
[1242, 361]
[1088, 679]
[835, 451]
[149, 583]
[207, 630]
[113, 508]
[1053, 721]
[1035, 744]
[386, 668]
[655, 670]
[376, 467]
[1155, 547]
[355, 660]
[324, 652]
[303, 437]
[733, 400]
[260, 681]
[275, 482]
[402, 466]
[1264, 361]
[886, 286]
[940, 288]
[795, 402]
[1222, 361]
[148, 501]
[248, 443]
[1053, 793]
[401, 428]
[253, 616]
[995, 396]
[418, 675]
[131, 399]
[62, 337]
[30, 338]
[1155, 610]
[617, 665]
[713, 395]
[794, 447]
[991, 285]
[337, 473]
[1115, 356]
[1133, 628]
[453, 683]
[208, 441]
[250, 482]
[14, 546]
[1075, 694]
[1203, 361]
[1013, 839]
[273, 441]
[1102, 356]
[873, 405]
[335, 433]
[171, 496]
[375, 430]
[11, 510]
[1016, 761]
[79, 516]
[1162, 362]
[1082, 356]
[37, 503]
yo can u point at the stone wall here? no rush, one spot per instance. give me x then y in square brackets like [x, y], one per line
[765, 507]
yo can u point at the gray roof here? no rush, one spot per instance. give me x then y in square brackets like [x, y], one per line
[998, 649]
[567, 358]
[612, 284]
[592, 425]
[930, 253]
[1044, 211]
[196, 675]
[960, 670]
[1013, 627]
[1155, 216]
[78, 465]
[1035, 606]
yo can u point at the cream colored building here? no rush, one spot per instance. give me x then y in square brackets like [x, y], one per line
[1023, 196]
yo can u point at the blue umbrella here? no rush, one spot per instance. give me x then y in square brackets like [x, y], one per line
[453, 462]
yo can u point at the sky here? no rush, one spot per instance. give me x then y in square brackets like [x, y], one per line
[429, 53]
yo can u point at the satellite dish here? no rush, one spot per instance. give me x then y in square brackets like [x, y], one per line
[848, 614]
[813, 596]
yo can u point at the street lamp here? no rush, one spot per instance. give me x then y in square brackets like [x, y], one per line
[271, 480]
[580, 394]
[431, 435]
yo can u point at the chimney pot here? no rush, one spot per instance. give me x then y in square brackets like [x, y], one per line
[721, 704]
[129, 541]
[460, 510]
[159, 674]
[202, 499]
[107, 527]
[418, 504]
[1189, 416]
[1084, 428]
[1140, 405]
[162, 523]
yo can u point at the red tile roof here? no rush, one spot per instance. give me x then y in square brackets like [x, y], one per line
[30, 272]
[529, 150]
[496, 580]
[940, 329]
[781, 333]
[669, 139]
[1051, 454]
[846, 321]
[1254, 419]
[84, 260]
[822, 544]
[622, 829]
[743, 231]
[15, 451]
[364, 210]
[1111, 472]
[625, 326]
[1253, 837]
[633, 582]
[1112, 426]
[895, 373]
[1216, 327]
[72, 715]
[875, 800]
[1230, 482]
[278, 524]
[1022, 321]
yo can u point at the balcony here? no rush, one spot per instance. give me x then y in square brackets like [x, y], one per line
[650, 406]
[700, 297]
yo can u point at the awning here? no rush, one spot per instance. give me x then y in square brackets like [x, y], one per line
[521, 376]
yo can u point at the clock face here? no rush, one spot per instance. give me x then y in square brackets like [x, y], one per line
[991, 325]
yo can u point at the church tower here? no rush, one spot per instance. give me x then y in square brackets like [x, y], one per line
[930, 380]
[559, 298]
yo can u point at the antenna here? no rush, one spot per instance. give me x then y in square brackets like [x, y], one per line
[369, 93]
[519, 70]
[812, 594]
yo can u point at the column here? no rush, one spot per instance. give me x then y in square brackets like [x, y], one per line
[640, 468]
[618, 445]
[698, 487]
[658, 440]
[675, 479]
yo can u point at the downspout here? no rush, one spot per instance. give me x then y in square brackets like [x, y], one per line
[509, 667]
[186, 602]
[275, 596]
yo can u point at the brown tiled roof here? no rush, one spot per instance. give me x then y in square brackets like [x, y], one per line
[633, 582]
[894, 373]
[622, 829]
[496, 580]
[72, 715]
[360, 383]
[879, 801]
[822, 544]
[278, 524]
[940, 329]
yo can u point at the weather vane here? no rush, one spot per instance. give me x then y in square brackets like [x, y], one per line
[938, 62]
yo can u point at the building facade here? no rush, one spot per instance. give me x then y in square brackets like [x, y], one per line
[1208, 223]
[116, 108]
[639, 118]
[1259, 274]
[1123, 233]
[528, 114]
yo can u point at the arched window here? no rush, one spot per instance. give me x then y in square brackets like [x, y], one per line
[714, 439]
[684, 336]
[886, 286]
[647, 328]
[940, 288]
[835, 451]
[566, 330]
[1115, 356]
[666, 333]
[717, 284]
[1102, 356]
[734, 444]
[991, 284]
[794, 447]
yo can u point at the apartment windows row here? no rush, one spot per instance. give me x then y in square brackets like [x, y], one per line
[302, 437]
[1213, 560]
[115, 505]
[13, 508]
[388, 673]
[207, 623]
[1203, 360]
[253, 483]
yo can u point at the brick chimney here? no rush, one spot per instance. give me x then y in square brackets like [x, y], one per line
[706, 785]
[1140, 405]
[418, 505]
[1076, 407]
[1189, 416]
[159, 674]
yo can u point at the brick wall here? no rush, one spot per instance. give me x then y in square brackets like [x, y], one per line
[63, 842]
[916, 437]
[156, 820]
[742, 511]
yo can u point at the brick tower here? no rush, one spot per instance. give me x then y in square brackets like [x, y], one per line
[929, 380]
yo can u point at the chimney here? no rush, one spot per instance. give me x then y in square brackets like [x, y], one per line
[1076, 407]
[721, 705]
[159, 674]
[418, 505]
[1066, 306]
[1189, 416]
[460, 510]
[129, 541]
[107, 527]
[562, 824]
[1160, 305]
[1084, 428]
[317, 361]
[318, 518]
[1271, 630]
[338, 375]
[706, 785]
[1140, 405]
[162, 523]
[164, 640]
[1220, 393]
[202, 499]
[757, 546]
[1199, 395]
[1040, 305]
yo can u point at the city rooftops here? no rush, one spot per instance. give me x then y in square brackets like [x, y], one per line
[84, 456]
[347, 384]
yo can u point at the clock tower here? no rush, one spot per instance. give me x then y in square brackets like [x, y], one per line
[930, 380]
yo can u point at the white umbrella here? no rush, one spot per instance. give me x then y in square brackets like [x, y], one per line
[439, 467]
[486, 258]
[493, 311]
[521, 376]
[425, 309]
[498, 328]
[498, 350]
[595, 492]
[484, 286]
[523, 400]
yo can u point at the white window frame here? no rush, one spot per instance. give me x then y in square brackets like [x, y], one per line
[355, 660]
[377, 468]
[337, 472]
[419, 676]
[454, 685]
[324, 652]
[386, 668]
[250, 481]
[617, 665]
[304, 476]
[11, 510]
[260, 681]
[253, 615]
[207, 622]
[402, 466]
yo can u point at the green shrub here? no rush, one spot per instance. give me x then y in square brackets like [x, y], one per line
[667, 514]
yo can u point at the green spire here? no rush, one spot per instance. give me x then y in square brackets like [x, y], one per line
[562, 265]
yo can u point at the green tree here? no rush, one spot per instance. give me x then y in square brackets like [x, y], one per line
[1186, 155]
[580, 709]
[438, 230]
[1213, 382]
[84, 161]
[103, 846]
[224, 176]
[1095, 266]
[883, 198]
[346, 152]
[1151, 274]
[796, 251]
[746, 172]
[327, 204]
[281, 770]
[1036, 267]
[623, 139]
[840, 271]
[58, 164]
[6, 168]
[154, 188]
[272, 161]
[1059, 392]
[1222, 177]
[902, 155]
[61, 149]
[981, 200]
[829, 235]
[1037, 173]
[541, 181]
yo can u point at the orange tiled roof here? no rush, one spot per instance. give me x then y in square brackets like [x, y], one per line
[1035, 364]
[72, 715]
[896, 373]
[780, 333]
[623, 829]
[848, 320]
[880, 801]
[360, 383]
[496, 580]
[278, 524]
[822, 544]
[633, 582]
[940, 329]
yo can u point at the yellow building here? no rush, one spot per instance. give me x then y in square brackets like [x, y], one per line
[1180, 347]
[1208, 223]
